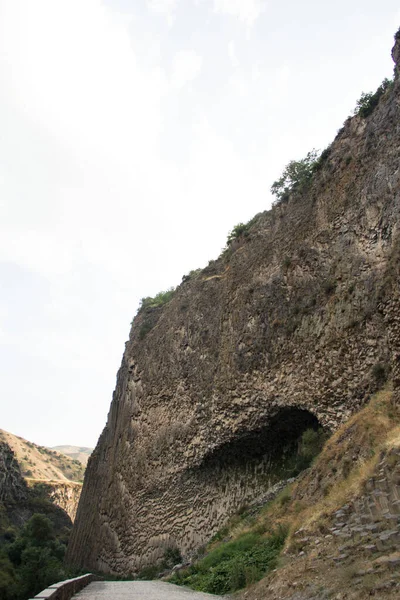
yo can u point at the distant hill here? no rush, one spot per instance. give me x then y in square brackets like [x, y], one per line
[80, 453]
[41, 463]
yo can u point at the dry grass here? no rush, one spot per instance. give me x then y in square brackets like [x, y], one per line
[347, 461]
[339, 473]
[40, 463]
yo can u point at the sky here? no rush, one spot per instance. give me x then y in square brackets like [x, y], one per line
[134, 134]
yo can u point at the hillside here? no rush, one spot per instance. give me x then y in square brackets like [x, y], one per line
[34, 532]
[290, 332]
[335, 536]
[80, 453]
[41, 463]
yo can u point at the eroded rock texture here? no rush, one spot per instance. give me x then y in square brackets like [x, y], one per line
[18, 502]
[13, 489]
[293, 328]
[64, 494]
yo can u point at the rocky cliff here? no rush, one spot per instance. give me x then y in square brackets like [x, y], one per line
[50, 475]
[64, 494]
[18, 501]
[13, 488]
[292, 327]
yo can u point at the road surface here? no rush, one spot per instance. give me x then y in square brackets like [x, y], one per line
[139, 590]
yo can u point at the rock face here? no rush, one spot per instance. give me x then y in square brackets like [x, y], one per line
[18, 501]
[64, 494]
[293, 327]
[13, 488]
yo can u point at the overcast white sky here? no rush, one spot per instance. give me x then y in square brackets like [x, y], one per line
[133, 135]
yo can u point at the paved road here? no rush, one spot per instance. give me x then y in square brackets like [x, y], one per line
[139, 590]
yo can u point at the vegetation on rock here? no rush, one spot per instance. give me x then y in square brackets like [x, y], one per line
[232, 565]
[158, 300]
[367, 102]
[296, 175]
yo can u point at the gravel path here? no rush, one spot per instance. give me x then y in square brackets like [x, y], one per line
[139, 590]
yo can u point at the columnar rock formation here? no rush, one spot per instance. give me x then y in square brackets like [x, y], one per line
[293, 327]
[13, 489]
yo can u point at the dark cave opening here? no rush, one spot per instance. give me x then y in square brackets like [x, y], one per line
[285, 444]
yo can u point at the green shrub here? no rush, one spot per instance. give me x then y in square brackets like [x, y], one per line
[285, 496]
[172, 557]
[240, 230]
[150, 572]
[191, 275]
[296, 175]
[8, 578]
[39, 530]
[149, 303]
[235, 564]
[309, 446]
[379, 373]
[144, 329]
[159, 299]
[323, 157]
[367, 102]
[312, 442]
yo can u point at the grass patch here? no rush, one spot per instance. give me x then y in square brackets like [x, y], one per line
[232, 565]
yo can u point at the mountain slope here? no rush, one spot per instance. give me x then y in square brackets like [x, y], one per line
[39, 462]
[340, 533]
[80, 453]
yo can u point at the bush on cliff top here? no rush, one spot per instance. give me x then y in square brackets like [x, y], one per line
[159, 299]
[296, 175]
[367, 102]
[153, 302]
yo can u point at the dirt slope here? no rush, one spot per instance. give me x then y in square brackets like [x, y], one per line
[40, 463]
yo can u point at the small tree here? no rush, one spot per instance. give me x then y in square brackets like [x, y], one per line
[38, 530]
[295, 176]
[241, 229]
